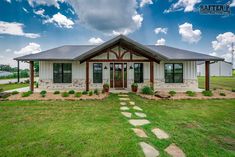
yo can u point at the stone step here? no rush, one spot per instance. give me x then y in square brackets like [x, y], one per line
[124, 108]
[160, 133]
[149, 151]
[126, 114]
[174, 151]
[132, 103]
[140, 114]
[137, 108]
[139, 122]
[139, 132]
[122, 103]
[124, 99]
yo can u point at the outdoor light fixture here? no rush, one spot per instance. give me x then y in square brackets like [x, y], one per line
[105, 68]
[131, 67]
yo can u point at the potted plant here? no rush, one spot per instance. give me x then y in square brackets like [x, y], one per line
[134, 87]
[106, 87]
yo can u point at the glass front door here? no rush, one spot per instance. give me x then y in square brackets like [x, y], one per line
[118, 75]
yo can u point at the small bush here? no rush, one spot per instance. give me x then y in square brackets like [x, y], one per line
[57, 92]
[172, 93]
[43, 92]
[43, 95]
[84, 92]
[71, 92]
[25, 94]
[222, 94]
[1, 90]
[78, 94]
[65, 94]
[96, 92]
[207, 93]
[4, 95]
[147, 90]
[14, 92]
[90, 93]
[26, 81]
[233, 90]
[36, 84]
[30, 92]
[191, 93]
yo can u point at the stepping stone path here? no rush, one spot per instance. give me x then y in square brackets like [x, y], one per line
[124, 108]
[126, 114]
[139, 132]
[149, 151]
[141, 115]
[174, 151]
[123, 103]
[137, 108]
[139, 122]
[160, 133]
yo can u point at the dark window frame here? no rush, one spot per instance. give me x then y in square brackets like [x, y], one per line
[141, 74]
[62, 73]
[173, 73]
[94, 80]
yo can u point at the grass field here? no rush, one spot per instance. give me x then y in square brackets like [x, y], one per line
[218, 82]
[13, 86]
[97, 128]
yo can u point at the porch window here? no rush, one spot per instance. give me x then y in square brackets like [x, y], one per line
[97, 73]
[174, 73]
[62, 73]
[138, 73]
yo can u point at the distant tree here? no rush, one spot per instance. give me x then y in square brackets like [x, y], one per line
[36, 66]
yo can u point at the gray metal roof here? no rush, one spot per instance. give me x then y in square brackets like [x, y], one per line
[82, 52]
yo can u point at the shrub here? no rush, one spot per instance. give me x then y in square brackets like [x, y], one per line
[43, 95]
[4, 95]
[106, 87]
[207, 93]
[43, 92]
[1, 90]
[233, 90]
[191, 93]
[65, 94]
[78, 94]
[147, 90]
[57, 92]
[96, 91]
[26, 81]
[71, 92]
[90, 93]
[30, 92]
[84, 92]
[172, 93]
[25, 94]
[222, 94]
[36, 84]
[14, 92]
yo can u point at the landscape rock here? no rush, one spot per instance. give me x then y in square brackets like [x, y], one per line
[149, 151]
[174, 151]
[124, 108]
[139, 122]
[160, 133]
[137, 108]
[139, 132]
[126, 114]
[140, 114]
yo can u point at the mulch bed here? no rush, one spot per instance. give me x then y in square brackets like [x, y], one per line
[199, 96]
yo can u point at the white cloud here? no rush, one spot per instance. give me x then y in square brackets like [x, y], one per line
[55, 3]
[25, 10]
[9, 1]
[31, 48]
[186, 5]
[232, 4]
[15, 29]
[161, 41]
[188, 34]
[8, 50]
[109, 17]
[95, 41]
[144, 2]
[60, 20]
[213, 54]
[161, 30]
[40, 12]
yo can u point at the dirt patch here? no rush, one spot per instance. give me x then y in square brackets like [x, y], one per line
[226, 142]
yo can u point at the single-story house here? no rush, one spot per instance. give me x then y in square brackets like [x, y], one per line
[220, 68]
[119, 62]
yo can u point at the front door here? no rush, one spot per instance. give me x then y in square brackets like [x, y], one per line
[118, 75]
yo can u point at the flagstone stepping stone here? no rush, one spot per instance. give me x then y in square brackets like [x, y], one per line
[124, 108]
[126, 114]
[137, 108]
[123, 95]
[122, 103]
[132, 103]
[139, 132]
[124, 99]
[141, 115]
[160, 133]
[174, 151]
[149, 151]
[138, 122]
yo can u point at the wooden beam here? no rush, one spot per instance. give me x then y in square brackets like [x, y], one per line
[87, 76]
[152, 74]
[115, 60]
[18, 71]
[207, 75]
[31, 67]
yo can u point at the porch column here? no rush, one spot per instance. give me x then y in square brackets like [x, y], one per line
[207, 75]
[152, 74]
[31, 67]
[87, 76]
[18, 71]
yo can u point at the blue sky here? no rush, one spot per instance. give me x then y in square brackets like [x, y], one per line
[31, 26]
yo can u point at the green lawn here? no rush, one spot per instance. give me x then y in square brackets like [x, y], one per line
[218, 82]
[13, 86]
[97, 128]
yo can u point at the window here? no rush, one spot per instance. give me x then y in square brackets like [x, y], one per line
[173, 73]
[97, 73]
[138, 73]
[62, 73]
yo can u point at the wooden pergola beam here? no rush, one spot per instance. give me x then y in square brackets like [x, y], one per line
[31, 67]
[207, 75]
[152, 73]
